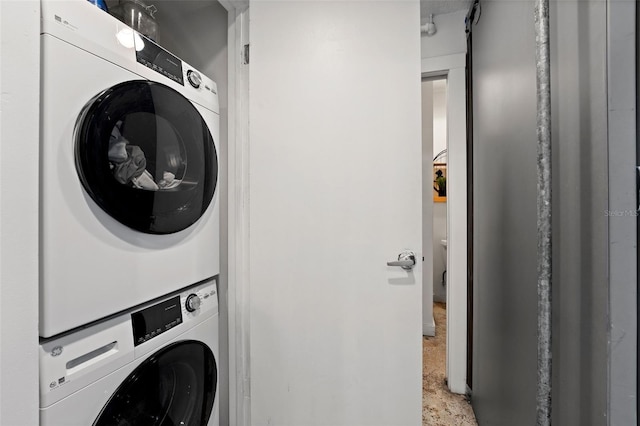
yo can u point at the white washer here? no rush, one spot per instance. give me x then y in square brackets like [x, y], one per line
[156, 365]
[129, 199]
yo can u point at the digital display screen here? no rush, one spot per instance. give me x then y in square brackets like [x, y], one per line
[155, 57]
[155, 320]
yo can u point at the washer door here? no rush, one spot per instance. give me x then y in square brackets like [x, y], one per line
[146, 156]
[175, 386]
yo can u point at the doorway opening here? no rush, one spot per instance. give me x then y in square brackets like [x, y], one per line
[440, 404]
[439, 188]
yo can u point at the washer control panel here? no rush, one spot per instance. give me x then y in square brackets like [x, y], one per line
[155, 320]
[199, 300]
[193, 302]
[194, 78]
[161, 317]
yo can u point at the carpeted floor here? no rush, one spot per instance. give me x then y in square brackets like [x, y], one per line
[439, 406]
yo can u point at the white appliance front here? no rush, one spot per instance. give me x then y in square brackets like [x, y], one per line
[111, 240]
[124, 371]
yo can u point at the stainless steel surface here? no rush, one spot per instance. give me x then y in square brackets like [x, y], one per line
[406, 260]
[543, 131]
[505, 223]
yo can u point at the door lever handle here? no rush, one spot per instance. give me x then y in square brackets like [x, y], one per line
[406, 260]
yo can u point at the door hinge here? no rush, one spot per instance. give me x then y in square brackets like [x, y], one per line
[245, 54]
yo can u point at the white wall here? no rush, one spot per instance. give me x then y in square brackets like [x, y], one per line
[449, 39]
[428, 324]
[19, 171]
[439, 117]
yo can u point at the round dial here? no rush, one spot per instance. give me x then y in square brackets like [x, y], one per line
[194, 78]
[193, 302]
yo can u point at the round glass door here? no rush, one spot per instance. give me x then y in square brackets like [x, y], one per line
[174, 387]
[146, 156]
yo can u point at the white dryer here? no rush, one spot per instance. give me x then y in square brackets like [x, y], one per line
[154, 366]
[129, 195]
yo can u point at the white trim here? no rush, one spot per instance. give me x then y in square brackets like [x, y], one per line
[238, 215]
[442, 64]
[234, 6]
[429, 329]
[19, 203]
[453, 66]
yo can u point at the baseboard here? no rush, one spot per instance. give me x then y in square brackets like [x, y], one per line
[429, 329]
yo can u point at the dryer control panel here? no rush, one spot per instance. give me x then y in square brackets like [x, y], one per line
[158, 59]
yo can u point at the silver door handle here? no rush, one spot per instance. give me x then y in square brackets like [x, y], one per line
[406, 260]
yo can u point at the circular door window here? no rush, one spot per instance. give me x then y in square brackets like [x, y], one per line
[174, 387]
[146, 156]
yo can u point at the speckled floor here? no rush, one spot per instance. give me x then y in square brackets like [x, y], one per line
[439, 406]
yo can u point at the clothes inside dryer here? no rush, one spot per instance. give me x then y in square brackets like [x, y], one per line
[146, 157]
[150, 134]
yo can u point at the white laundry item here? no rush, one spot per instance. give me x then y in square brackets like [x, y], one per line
[145, 181]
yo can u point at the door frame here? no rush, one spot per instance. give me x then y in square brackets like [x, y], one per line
[237, 226]
[453, 67]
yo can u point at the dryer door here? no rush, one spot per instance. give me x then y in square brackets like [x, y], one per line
[175, 386]
[146, 156]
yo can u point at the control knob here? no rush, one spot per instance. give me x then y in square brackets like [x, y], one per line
[193, 302]
[194, 78]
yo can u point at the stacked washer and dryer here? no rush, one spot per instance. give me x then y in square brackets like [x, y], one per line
[129, 227]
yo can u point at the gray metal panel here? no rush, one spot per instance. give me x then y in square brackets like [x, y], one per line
[505, 227]
[504, 382]
[622, 213]
[578, 58]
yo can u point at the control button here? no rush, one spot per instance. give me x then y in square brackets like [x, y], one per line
[192, 303]
[194, 78]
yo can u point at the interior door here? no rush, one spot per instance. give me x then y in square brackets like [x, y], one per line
[335, 194]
